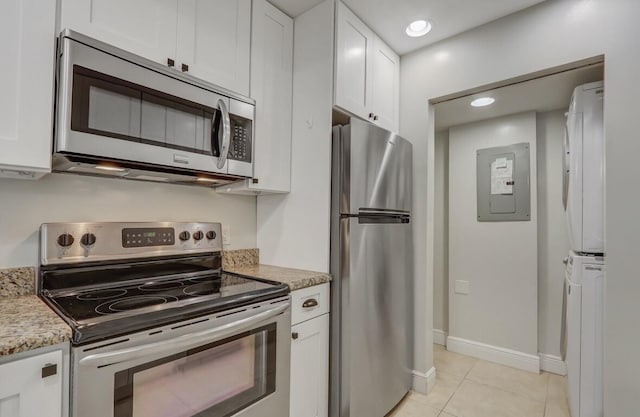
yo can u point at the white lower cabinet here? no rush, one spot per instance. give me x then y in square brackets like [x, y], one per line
[310, 352]
[32, 387]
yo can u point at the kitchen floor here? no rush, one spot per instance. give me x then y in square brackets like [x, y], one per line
[469, 387]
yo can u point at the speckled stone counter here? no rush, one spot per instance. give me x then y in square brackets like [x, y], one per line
[295, 278]
[17, 281]
[27, 323]
[240, 257]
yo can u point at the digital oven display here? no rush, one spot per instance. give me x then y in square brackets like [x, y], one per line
[143, 237]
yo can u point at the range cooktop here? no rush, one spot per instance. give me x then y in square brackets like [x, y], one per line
[105, 286]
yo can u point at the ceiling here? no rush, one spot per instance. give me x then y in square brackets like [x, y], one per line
[552, 92]
[389, 18]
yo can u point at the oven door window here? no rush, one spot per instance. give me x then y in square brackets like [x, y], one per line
[107, 106]
[214, 380]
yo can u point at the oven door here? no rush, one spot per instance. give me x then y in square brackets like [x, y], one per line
[234, 363]
[113, 108]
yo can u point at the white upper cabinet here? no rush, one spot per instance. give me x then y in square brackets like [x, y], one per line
[32, 387]
[214, 39]
[27, 30]
[386, 84]
[367, 72]
[144, 27]
[354, 61]
[209, 39]
[271, 88]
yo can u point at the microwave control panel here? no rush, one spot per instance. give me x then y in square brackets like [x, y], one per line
[241, 143]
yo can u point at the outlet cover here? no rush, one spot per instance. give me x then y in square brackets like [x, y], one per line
[226, 235]
[461, 287]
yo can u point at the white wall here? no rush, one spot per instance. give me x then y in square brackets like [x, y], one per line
[553, 240]
[550, 34]
[498, 259]
[293, 229]
[441, 234]
[24, 205]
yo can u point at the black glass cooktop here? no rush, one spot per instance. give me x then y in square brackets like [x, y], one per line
[93, 305]
[103, 302]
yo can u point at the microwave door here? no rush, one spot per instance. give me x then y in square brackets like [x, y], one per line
[115, 109]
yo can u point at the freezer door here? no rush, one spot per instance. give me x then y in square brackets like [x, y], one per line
[376, 169]
[377, 315]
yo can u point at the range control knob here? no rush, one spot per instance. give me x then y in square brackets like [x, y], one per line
[65, 240]
[211, 235]
[184, 236]
[198, 235]
[88, 239]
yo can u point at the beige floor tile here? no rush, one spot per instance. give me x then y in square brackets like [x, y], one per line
[444, 414]
[437, 347]
[473, 399]
[411, 407]
[446, 385]
[521, 382]
[557, 402]
[452, 363]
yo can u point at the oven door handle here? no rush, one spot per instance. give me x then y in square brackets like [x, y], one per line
[182, 342]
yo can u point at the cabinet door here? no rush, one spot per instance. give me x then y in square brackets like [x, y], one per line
[143, 27]
[25, 392]
[310, 368]
[214, 39]
[271, 87]
[386, 86]
[27, 30]
[354, 49]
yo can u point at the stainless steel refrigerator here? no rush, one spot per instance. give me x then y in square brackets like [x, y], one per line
[372, 268]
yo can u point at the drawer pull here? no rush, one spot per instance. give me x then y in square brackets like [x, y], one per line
[312, 302]
[294, 335]
[49, 369]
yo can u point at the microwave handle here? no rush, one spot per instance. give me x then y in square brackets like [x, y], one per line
[182, 342]
[226, 134]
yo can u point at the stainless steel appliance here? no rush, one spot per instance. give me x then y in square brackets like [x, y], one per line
[120, 115]
[372, 266]
[159, 330]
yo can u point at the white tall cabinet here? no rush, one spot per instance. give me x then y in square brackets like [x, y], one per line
[209, 39]
[27, 30]
[367, 80]
[310, 352]
[32, 387]
[271, 88]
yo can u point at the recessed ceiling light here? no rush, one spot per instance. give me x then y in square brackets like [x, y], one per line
[482, 101]
[418, 28]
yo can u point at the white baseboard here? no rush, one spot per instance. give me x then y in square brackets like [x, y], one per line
[553, 364]
[423, 382]
[495, 354]
[439, 337]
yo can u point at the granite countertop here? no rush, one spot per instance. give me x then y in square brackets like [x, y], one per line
[295, 278]
[28, 323]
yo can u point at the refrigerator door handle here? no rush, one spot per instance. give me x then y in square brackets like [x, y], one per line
[373, 216]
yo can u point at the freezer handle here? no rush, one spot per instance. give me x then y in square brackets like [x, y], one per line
[381, 216]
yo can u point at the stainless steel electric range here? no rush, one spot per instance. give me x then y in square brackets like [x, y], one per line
[159, 330]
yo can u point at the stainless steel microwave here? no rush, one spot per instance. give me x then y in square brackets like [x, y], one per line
[121, 115]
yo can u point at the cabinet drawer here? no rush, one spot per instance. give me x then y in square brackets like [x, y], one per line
[309, 302]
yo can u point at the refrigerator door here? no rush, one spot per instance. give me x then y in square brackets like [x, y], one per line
[377, 315]
[376, 167]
